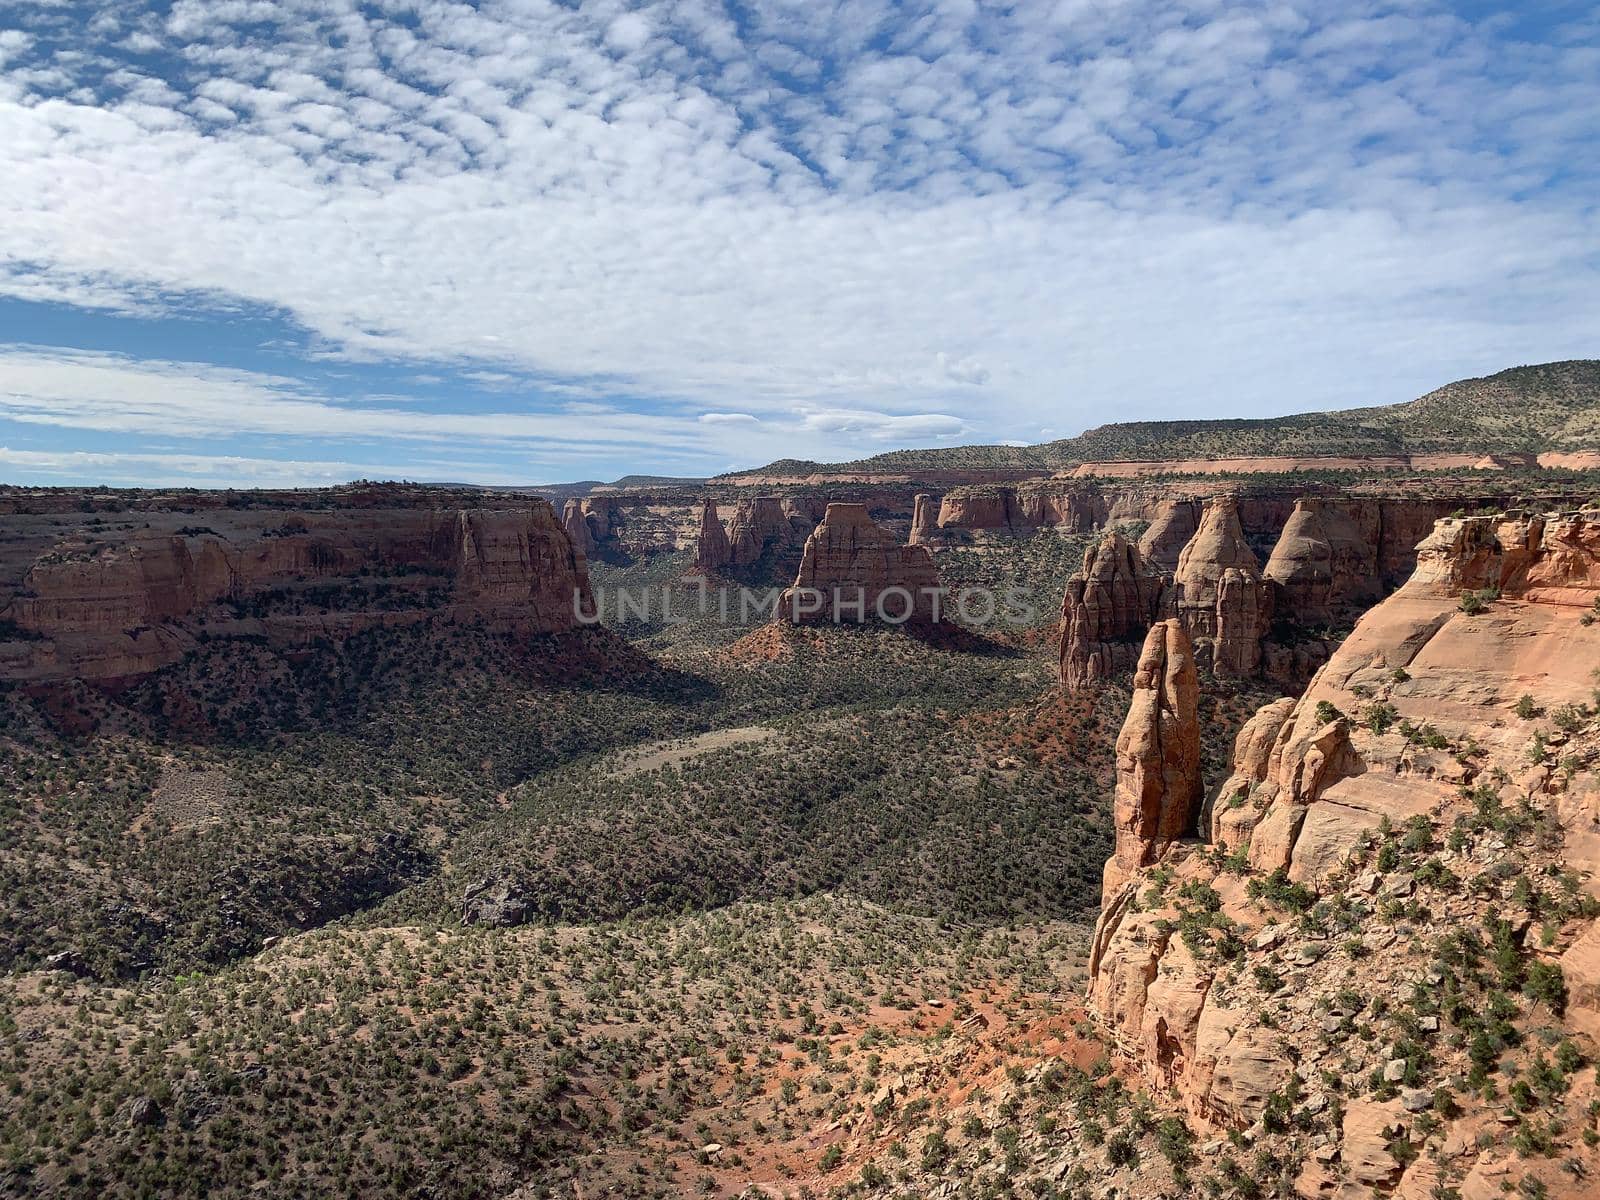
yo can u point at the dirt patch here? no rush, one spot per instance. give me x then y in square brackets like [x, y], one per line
[655, 755]
[187, 799]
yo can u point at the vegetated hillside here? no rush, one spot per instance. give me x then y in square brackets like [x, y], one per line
[762, 897]
[1530, 409]
[247, 793]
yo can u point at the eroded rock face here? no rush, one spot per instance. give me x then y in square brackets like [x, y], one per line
[577, 527]
[1409, 729]
[924, 520]
[1322, 563]
[1105, 612]
[1231, 814]
[760, 527]
[1222, 599]
[980, 508]
[711, 550]
[1072, 509]
[1173, 525]
[105, 604]
[1158, 755]
[853, 570]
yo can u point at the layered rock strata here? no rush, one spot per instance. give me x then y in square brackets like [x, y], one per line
[1431, 800]
[853, 570]
[1107, 608]
[113, 601]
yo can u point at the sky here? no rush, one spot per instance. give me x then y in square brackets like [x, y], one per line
[294, 242]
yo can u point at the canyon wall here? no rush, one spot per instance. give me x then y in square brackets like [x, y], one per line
[765, 531]
[1327, 559]
[114, 596]
[1310, 970]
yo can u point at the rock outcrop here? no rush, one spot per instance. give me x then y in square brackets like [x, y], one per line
[1158, 755]
[1371, 834]
[576, 524]
[980, 509]
[1105, 612]
[114, 601]
[761, 528]
[1222, 600]
[1170, 530]
[853, 570]
[924, 520]
[1322, 563]
[711, 550]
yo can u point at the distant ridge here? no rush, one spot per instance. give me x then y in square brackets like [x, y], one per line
[1536, 409]
[587, 487]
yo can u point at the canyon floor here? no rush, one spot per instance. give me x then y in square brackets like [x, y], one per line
[791, 913]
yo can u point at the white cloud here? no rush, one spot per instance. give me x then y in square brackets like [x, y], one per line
[628, 32]
[114, 394]
[885, 427]
[196, 469]
[970, 222]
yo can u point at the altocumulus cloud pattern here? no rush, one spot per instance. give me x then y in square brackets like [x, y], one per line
[296, 240]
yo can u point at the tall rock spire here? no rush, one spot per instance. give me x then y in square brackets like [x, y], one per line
[711, 550]
[1223, 601]
[1158, 755]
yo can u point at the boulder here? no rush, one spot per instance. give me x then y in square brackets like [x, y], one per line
[495, 902]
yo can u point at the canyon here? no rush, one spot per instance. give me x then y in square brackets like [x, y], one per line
[1268, 870]
[108, 585]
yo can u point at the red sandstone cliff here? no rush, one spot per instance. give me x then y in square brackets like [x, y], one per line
[1105, 611]
[924, 520]
[1318, 978]
[121, 599]
[576, 524]
[1331, 558]
[1222, 599]
[850, 566]
[711, 543]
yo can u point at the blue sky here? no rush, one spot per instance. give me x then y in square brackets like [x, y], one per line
[298, 241]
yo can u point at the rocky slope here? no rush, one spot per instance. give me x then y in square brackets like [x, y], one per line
[1379, 960]
[116, 596]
